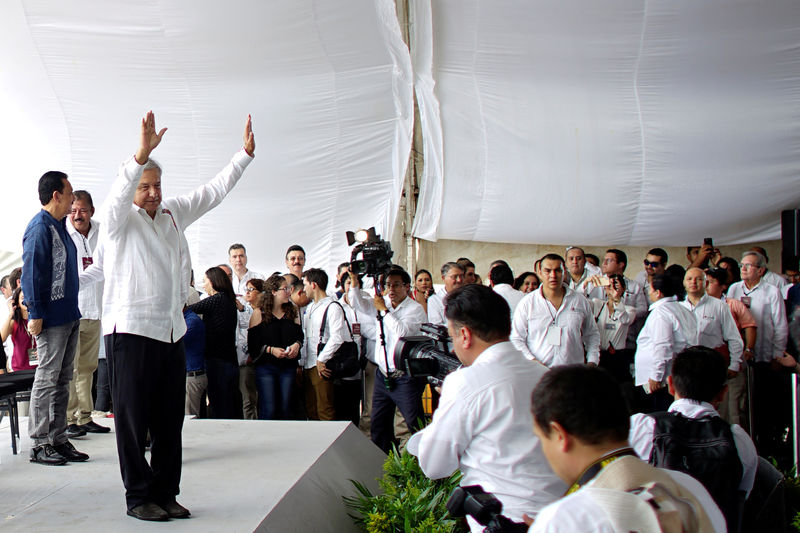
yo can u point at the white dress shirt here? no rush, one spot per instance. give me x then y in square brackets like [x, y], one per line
[90, 295]
[667, 331]
[336, 332]
[613, 327]
[483, 428]
[147, 266]
[556, 336]
[367, 323]
[643, 427]
[241, 333]
[240, 284]
[436, 308]
[715, 327]
[765, 303]
[239, 287]
[773, 278]
[511, 295]
[634, 295]
[583, 286]
[400, 321]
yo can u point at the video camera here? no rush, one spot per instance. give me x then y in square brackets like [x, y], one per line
[427, 355]
[376, 254]
[472, 500]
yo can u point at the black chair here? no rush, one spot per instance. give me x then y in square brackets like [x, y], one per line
[14, 386]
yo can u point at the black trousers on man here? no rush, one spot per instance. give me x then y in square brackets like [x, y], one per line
[148, 380]
[405, 393]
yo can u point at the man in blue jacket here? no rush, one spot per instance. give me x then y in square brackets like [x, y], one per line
[50, 287]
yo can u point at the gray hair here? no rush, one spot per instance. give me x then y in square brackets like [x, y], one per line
[151, 164]
[761, 261]
[447, 267]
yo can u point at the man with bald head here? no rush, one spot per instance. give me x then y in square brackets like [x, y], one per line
[716, 327]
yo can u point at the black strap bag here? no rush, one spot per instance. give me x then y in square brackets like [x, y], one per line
[344, 362]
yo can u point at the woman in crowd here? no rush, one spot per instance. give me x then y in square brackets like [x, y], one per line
[222, 367]
[423, 288]
[274, 340]
[16, 325]
[527, 282]
[247, 374]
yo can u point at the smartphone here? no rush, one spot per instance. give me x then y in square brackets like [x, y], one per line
[604, 281]
[708, 241]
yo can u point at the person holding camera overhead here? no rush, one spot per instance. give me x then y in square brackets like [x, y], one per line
[402, 316]
[483, 423]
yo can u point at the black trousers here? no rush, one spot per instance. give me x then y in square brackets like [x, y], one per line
[148, 387]
[347, 400]
[406, 394]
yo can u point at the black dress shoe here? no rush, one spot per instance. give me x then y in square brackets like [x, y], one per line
[175, 510]
[74, 431]
[92, 427]
[150, 512]
[47, 455]
[69, 452]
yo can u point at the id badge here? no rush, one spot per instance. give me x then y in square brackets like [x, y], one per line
[746, 301]
[610, 326]
[86, 262]
[356, 328]
[553, 336]
[33, 356]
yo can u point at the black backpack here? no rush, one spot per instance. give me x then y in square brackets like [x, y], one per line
[704, 449]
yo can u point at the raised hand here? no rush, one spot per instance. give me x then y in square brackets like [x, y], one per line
[249, 139]
[148, 138]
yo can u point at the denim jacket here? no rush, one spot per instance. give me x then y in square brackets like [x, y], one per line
[49, 271]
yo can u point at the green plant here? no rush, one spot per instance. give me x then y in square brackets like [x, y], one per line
[791, 495]
[410, 503]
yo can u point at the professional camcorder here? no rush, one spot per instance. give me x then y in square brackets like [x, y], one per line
[427, 355]
[376, 254]
[472, 500]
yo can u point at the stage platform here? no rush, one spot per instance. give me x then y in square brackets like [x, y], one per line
[238, 476]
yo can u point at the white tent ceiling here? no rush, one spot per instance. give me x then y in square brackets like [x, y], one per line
[328, 85]
[617, 122]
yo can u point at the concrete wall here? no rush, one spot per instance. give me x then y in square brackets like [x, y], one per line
[431, 255]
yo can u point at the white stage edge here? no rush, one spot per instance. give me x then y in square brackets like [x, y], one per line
[238, 476]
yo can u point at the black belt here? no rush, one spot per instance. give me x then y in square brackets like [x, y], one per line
[195, 373]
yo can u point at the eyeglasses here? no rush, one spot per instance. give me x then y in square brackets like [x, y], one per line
[395, 285]
[748, 266]
[286, 289]
[651, 264]
[251, 289]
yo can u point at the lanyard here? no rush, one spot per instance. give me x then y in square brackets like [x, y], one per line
[593, 469]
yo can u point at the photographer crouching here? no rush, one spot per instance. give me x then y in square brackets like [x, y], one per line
[482, 425]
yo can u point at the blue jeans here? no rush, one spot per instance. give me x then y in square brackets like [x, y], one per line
[274, 386]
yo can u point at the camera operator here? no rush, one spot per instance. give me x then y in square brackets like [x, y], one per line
[402, 316]
[482, 425]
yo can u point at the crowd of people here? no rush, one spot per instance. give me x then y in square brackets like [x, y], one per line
[251, 346]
